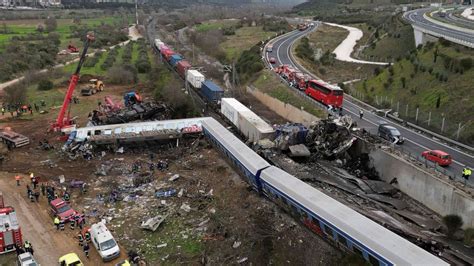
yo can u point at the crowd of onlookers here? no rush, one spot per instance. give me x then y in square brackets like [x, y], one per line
[19, 109]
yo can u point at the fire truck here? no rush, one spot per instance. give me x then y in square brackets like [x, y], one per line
[10, 231]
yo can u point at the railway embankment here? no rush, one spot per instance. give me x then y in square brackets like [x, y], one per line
[435, 192]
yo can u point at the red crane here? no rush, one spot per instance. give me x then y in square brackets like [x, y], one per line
[62, 121]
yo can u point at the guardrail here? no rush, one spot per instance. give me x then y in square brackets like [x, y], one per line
[416, 157]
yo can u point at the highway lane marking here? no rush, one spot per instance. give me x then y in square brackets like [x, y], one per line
[376, 117]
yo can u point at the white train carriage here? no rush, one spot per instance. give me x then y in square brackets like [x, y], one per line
[241, 156]
[339, 223]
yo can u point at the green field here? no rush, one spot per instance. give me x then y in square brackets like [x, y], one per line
[24, 27]
[215, 25]
[244, 39]
[269, 83]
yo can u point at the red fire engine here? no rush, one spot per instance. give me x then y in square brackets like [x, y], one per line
[10, 232]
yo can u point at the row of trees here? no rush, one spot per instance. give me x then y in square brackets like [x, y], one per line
[249, 63]
[143, 62]
[19, 57]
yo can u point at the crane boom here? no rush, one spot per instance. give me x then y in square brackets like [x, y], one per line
[61, 121]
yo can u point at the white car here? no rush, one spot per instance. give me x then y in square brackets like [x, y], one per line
[104, 242]
[26, 259]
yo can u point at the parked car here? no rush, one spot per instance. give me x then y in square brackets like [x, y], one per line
[61, 208]
[390, 133]
[26, 259]
[70, 259]
[272, 60]
[104, 242]
[437, 156]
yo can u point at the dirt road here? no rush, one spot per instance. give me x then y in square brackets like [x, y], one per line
[37, 227]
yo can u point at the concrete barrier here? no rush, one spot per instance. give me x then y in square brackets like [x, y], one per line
[285, 110]
[435, 193]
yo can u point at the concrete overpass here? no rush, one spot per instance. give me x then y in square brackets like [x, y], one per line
[427, 29]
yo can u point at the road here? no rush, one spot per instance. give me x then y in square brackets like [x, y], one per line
[415, 17]
[415, 143]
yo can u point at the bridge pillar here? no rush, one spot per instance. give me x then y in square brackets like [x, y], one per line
[419, 36]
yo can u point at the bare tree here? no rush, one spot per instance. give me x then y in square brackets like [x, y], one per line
[51, 24]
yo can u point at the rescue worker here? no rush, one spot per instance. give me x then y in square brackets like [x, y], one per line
[43, 189]
[61, 225]
[66, 197]
[72, 224]
[361, 114]
[18, 178]
[56, 222]
[80, 237]
[36, 195]
[466, 173]
[28, 247]
[86, 249]
[87, 236]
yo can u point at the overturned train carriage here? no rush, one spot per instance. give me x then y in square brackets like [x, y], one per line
[322, 214]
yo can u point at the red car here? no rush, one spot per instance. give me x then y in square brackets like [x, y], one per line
[272, 60]
[437, 156]
[61, 208]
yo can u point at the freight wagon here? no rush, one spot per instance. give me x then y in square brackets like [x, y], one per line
[167, 53]
[195, 78]
[182, 67]
[212, 92]
[246, 121]
[174, 59]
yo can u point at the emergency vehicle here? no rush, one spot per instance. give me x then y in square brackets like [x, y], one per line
[10, 231]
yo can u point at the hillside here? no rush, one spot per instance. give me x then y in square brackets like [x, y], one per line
[436, 78]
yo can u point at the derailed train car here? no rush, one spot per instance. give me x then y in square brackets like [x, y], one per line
[322, 214]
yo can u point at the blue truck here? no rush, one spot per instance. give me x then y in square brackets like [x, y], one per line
[174, 59]
[211, 91]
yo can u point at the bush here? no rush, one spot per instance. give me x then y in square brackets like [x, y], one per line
[143, 66]
[469, 237]
[304, 50]
[45, 85]
[376, 71]
[322, 70]
[121, 75]
[466, 63]
[453, 223]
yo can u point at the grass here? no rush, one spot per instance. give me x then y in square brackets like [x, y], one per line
[96, 70]
[327, 38]
[422, 90]
[268, 83]
[244, 39]
[215, 25]
[24, 27]
[396, 40]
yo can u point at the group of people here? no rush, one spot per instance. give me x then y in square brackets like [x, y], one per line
[161, 165]
[18, 109]
[27, 247]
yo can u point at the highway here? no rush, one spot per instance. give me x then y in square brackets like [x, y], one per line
[415, 143]
[415, 17]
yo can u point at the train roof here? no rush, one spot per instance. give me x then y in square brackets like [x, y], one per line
[249, 115]
[239, 150]
[360, 228]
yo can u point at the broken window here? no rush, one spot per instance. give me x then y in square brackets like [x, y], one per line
[97, 132]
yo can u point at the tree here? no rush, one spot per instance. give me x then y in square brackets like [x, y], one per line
[51, 24]
[403, 80]
[466, 63]
[45, 85]
[453, 223]
[435, 54]
[40, 28]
